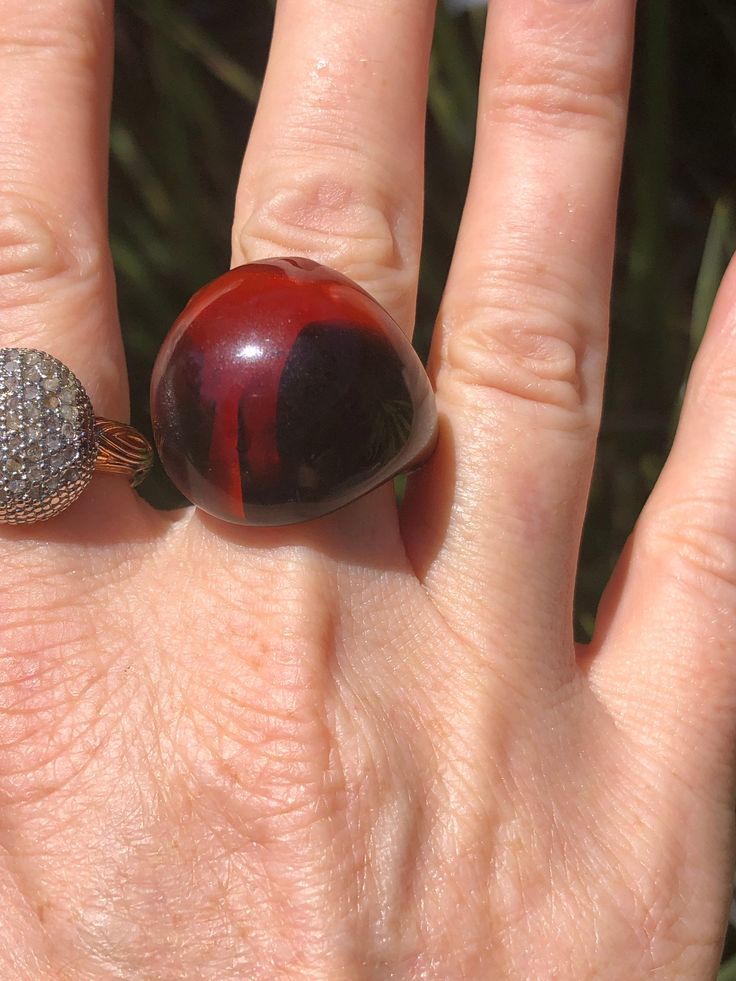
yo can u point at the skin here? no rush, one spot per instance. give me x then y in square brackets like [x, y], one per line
[366, 747]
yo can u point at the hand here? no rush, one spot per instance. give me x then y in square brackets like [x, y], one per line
[366, 747]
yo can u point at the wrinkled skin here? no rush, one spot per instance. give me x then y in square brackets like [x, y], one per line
[367, 747]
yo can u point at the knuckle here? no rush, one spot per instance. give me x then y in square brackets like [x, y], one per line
[521, 359]
[691, 542]
[321, 215]
[539, 89]
[28, 245]
[37, 251]
[524, 363]
[521, 338]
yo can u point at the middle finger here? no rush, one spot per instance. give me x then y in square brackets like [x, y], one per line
[334, 166]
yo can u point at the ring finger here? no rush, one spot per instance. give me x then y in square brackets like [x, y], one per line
[493, 524]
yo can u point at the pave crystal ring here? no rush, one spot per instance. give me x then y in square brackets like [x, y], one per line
[50, 440]
[284, 391]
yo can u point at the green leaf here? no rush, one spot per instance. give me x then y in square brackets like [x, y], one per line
[172, 21]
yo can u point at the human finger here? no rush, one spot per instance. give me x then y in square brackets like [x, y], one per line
[56, 279]
[493, 522]
[664, 653]
[334, 165]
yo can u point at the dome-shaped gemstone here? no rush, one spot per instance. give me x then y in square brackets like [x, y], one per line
[284, 391]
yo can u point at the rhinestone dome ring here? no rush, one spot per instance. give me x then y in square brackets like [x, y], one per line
[51, 442]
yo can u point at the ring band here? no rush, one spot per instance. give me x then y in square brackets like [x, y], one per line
[121, 449]
[51, 442]
[284, 391]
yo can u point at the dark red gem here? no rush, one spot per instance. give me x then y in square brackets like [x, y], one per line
[285, 391]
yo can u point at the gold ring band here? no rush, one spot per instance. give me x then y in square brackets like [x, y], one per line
[121, 449]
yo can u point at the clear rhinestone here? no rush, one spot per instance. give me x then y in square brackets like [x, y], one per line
[51, 401]
[69, 412]
[12, 421]
[32, 374]
[51, 384]
[33, 412]
[68, 395]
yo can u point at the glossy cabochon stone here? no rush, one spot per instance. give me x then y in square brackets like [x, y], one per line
[283, 392]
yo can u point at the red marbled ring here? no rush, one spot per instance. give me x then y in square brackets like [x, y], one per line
[284, 391]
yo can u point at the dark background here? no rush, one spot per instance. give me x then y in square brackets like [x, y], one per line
[188, 76]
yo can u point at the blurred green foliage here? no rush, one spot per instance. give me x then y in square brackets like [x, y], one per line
[188, 77]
